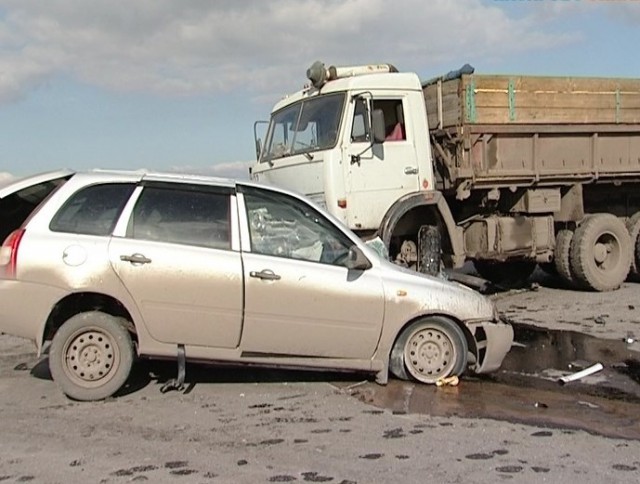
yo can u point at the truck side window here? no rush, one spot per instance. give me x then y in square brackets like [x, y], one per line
[393, 118]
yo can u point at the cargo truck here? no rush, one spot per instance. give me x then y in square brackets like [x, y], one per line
[506, 171]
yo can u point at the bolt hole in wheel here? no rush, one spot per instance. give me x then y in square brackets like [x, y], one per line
[91, 356]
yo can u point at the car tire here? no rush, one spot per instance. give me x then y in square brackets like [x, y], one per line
[429, 349]
[91, 356]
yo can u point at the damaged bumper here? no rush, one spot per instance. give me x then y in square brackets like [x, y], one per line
[493, 341]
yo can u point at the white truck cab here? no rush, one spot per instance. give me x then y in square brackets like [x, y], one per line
[321, 141]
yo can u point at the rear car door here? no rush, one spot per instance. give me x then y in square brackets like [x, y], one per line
[300, 299]
[179, 263]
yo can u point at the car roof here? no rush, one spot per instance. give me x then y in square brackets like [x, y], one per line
[99, 175]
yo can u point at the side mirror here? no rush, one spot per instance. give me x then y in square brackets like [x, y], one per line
[258, 148]
[356, 260]
[258, 139]
[377, 123]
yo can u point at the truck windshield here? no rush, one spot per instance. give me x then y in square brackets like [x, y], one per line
[303, 127]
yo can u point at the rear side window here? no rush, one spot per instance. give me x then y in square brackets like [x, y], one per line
[189, 215]
[17, 207]
[93, 210]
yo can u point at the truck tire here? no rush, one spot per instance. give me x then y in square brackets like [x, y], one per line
[429, 349]
[633, 226]
[429, 250]
[91, 356]
[506, 275]
[601, 253]
[562, 255]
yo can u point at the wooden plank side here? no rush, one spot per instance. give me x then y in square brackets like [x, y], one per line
[537, 100]
[553, 115]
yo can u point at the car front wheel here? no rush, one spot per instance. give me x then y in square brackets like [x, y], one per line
[91, 356]
[430, 349]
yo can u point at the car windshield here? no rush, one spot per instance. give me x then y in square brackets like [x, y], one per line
[308, 125]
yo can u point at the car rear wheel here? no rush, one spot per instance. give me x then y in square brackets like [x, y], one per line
[428, 350]
[91, 356]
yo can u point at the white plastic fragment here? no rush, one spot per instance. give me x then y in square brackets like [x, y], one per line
[581, 374]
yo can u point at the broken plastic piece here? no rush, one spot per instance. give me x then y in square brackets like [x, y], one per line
[581, 374]
[451, 381]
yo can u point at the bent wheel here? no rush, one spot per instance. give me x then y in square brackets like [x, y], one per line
[431, 349]
[91, 356]
[601, 253]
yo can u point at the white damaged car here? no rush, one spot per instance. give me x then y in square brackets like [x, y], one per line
[110, 265]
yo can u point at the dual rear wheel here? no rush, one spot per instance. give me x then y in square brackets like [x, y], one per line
[598, 254]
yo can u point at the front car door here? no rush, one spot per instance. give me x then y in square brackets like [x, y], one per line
[300, 299]
[179, 261]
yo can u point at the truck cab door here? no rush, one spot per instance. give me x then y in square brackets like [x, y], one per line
[377, 174]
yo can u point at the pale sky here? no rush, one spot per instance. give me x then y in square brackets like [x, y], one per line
[178, 84]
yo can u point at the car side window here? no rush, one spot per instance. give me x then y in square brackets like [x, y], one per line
[93, 210]
[283, 226]
[189, 215]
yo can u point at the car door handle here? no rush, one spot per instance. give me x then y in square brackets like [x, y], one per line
[135, 259]
[410, 170]
[266, 275]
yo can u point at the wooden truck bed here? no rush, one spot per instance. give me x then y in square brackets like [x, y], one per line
[520, 130]
[492, 99]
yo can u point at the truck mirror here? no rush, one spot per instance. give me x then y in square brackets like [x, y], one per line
[258, 148]
[356, 260]
[377, 123]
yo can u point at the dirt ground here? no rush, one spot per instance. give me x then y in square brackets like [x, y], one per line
[611, 315]
[252, 425]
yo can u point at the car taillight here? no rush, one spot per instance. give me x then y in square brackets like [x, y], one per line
[9, 252]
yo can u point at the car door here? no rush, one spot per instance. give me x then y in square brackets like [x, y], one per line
[300, 299]
[179, 264]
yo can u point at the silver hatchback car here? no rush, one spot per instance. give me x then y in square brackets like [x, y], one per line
[110, 265]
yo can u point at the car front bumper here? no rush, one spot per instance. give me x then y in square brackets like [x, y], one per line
[493, 341]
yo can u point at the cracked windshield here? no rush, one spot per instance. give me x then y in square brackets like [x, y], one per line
[307, 126]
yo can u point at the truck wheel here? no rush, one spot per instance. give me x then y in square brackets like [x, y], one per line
[633, 226]
[562, 257]
[429, 245]
[508, 274]
[431, 348]
[91, 356]
[601, 253]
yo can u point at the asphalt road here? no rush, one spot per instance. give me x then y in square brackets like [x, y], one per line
[237, 426]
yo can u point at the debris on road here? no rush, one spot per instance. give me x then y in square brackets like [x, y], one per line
[581, 374]
[451, 381]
